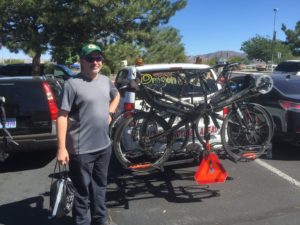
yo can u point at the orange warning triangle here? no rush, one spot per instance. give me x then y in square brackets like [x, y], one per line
[210, 170]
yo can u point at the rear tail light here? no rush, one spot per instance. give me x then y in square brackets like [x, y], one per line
[225, 111]
[286, 105]
[51, 101]
[128, 107]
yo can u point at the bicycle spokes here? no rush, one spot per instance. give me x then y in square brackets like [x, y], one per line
[246, 134]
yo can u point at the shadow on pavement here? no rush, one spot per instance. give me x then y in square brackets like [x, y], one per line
[28, 211]
[27, 161]
[127, 186]
[284, 151]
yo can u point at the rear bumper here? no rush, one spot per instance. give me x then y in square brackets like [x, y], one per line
[291, 138]
[39, 142]
[288, 128]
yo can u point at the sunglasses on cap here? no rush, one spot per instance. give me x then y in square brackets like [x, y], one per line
[91, 59]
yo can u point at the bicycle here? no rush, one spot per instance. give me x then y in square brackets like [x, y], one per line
[6, 136]
[133, 152]
[151, 137]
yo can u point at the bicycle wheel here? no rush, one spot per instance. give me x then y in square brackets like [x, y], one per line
[180, 137]
[248, 133]
[118, 120]
[133, 146]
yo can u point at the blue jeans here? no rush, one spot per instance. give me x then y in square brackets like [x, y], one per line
[89, 175]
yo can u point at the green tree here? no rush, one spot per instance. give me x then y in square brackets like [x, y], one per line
[261, 48]
[36, 26]
[23, 27]
[212, 61]
[13, 61]
[293, 38]
[163, 45]
[238, 59]
[114, 54]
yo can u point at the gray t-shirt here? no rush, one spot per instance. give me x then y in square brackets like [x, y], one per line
[87, 102]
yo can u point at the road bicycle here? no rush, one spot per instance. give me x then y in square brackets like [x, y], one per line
[144, 140]
[6, 136]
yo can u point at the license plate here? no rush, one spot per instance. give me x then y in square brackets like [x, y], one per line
[10, 123]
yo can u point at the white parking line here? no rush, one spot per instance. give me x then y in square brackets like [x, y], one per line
[278, 172]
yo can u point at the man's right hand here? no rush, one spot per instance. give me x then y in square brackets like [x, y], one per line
[62, 156]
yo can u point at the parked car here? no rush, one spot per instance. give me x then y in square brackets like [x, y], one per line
[167, 78]
[283, 103]
[47, 69]
[31, 111]
[289, 66]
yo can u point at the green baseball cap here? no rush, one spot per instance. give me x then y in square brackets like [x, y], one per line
[87, 49]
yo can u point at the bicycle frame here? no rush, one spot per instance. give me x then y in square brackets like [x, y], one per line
[151, 148]
[204, 109]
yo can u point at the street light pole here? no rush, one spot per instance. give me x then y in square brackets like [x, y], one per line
[274, 34]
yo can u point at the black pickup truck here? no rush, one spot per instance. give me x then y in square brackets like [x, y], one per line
[31, 111]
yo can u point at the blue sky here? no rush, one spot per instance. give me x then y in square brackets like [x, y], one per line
[211, 25]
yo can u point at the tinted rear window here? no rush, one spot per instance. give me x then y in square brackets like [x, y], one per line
[12, 70]
[26, 70]
[179, 83]
[288, 67]
[23, 97]
[122, 78]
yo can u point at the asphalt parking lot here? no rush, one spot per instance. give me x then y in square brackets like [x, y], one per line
[253, 194]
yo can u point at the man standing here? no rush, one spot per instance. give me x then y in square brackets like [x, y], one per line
[88, 102]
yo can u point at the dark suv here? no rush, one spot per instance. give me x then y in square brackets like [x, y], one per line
[31, 111]
[47, 69]
[288, 67]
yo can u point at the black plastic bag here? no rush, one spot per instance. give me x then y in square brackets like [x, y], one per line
[61, 194]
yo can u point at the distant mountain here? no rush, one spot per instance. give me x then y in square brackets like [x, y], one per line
[218, 54]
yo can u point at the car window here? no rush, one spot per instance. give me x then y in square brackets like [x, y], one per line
[16, 70]
[66, 70]
[19, 99]
[288, 67]
[122, 78]
[50, 69]
[179, 83]
[26, 70]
